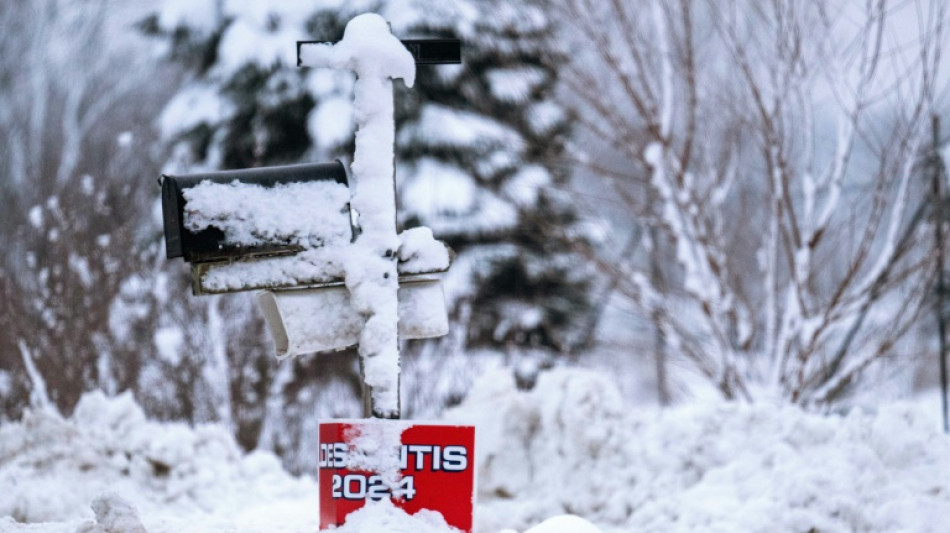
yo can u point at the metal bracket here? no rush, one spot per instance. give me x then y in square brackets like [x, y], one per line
[424, 51]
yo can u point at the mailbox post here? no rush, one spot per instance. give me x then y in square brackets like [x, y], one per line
[377, 58]
[374, 459]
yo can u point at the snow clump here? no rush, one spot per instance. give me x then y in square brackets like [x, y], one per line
[384, 516]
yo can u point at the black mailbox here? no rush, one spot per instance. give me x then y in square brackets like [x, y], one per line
[210, 242]
[272, 228]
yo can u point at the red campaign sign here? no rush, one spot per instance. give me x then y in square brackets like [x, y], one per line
[437, 469]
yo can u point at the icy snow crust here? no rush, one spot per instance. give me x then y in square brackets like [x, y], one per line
[568, 446]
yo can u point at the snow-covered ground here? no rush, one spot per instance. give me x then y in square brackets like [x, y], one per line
[572, 446]
[568, 447]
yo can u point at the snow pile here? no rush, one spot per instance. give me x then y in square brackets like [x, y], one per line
[420, 252]
[178, 478]
[66, 476]
[383, 516]
[567, 447]
[570, 446]
[562, 524]
[113, 515]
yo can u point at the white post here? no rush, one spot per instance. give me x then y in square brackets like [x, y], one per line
[377, 57]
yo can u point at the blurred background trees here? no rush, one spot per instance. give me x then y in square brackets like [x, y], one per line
[704, 198]
[768, 160]
[75, 134]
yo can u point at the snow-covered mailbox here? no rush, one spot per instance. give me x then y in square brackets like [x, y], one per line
[323, 246]
[222, 217]
[286, 231]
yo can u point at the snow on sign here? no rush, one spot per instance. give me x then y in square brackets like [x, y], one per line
[417, 466]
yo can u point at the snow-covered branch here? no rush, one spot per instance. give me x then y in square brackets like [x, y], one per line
[39, 397]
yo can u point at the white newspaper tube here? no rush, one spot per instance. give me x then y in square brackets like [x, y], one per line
[321, 319]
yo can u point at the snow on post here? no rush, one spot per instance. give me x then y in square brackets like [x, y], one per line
[369, 49]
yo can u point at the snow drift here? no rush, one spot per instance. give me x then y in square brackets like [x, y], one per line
[571, 446]
[179, 478]
[568, 447]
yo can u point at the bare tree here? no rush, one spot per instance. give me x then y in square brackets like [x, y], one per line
[75, 116]
[791, 257]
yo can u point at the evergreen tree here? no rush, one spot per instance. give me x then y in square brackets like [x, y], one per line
[483, 147]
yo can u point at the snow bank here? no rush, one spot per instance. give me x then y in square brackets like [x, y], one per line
[570, 446]
[383, 516]
[113, 515]
[178, 478]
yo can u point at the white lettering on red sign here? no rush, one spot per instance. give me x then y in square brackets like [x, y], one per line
[359, 486]
[441, 459]
[333, 455]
